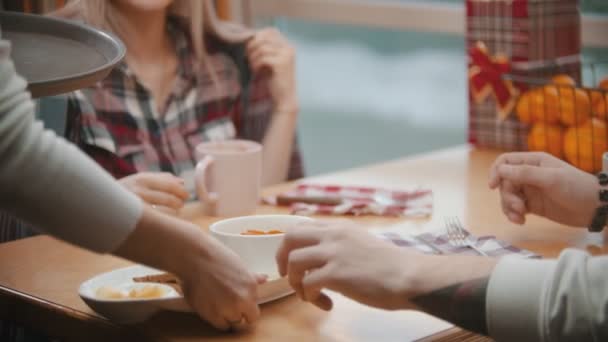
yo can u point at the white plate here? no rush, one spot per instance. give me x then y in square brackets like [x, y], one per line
[128, 311]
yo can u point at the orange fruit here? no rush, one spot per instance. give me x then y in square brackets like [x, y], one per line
[523, 108]
[599, 102]
[563, 79]
[549, 99]
[539, 105]
[547, 138]
[599, 99]
[574, 105]
[603, 83]
[585, 144]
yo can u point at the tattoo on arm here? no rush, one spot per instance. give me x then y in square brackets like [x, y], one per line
[463, 304]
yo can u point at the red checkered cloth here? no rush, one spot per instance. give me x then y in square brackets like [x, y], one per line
[362, 201]
[489, 244]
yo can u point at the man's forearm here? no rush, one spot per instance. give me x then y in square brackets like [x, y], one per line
[463, 304]
[454, 289]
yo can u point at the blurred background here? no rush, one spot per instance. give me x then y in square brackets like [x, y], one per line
[378, 79]
[371, 93]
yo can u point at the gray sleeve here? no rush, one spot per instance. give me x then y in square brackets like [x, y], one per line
[549, 300]
[48, 182]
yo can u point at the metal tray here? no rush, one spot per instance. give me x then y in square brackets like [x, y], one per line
[57, 56]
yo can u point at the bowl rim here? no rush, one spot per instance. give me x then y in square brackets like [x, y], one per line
[213, 226]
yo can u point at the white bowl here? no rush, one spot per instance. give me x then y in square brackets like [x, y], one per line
[257, 251]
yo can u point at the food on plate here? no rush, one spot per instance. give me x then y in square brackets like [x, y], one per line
[143, 292]
[162, 278]
[109, 292]
[585, 144]
[547, 138]
[261, 232]
[147, 292]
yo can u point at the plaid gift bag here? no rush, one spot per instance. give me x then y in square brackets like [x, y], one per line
[528, 38]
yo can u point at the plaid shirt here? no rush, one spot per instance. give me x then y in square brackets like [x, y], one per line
[117, 122]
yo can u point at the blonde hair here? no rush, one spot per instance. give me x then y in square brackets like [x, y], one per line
[200, 15]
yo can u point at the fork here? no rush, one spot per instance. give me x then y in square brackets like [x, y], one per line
[458, 237]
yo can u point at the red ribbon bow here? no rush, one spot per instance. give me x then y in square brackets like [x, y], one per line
[485, 79]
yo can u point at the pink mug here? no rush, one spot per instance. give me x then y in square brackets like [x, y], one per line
[228, 176]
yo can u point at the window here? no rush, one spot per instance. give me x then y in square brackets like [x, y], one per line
[369, 95]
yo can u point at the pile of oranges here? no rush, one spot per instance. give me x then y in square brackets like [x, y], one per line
[567, 121]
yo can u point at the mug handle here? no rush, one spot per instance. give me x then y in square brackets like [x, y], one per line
[201, 179]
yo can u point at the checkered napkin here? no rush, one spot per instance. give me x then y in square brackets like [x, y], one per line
[361, 201]
[489, 244]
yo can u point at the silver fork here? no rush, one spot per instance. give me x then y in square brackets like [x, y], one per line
[458, 237]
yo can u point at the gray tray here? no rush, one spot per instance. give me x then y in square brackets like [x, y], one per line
[58, 56]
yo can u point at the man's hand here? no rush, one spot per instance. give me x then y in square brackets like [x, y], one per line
[538, 183]
[343, 257]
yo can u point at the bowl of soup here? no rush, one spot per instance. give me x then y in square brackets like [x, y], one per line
[256, 239]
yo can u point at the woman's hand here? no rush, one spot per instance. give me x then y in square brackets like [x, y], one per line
[343, 257]
[215, 281]
[269, 51]
[163, 191]
[538, 183]
[221, 289]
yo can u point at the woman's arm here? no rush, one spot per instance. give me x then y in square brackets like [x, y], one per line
[215, 282]
[278, 148]
[269, 52]
[49, 182]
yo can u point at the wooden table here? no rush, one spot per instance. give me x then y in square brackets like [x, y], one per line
[39, 276]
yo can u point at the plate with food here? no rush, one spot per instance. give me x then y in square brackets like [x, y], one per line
[133, 294]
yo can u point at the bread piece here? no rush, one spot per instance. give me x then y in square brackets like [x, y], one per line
[162, 278]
